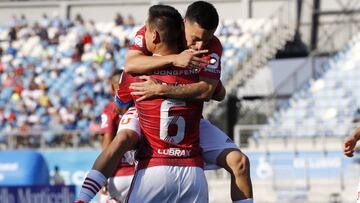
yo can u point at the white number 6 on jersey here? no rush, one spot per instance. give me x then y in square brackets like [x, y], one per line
[166, 121]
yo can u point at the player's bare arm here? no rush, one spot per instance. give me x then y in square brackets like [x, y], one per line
[219, 95]
[350, 143]
[136, 62]
[108, 160]
[107, 138]
[201, 91]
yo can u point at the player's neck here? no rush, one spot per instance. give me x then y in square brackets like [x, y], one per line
[163, 50]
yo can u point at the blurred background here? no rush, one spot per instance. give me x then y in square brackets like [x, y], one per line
[291, 69]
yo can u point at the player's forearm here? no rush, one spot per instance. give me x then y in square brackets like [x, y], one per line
[193, 92]
[356, 135]
[219, 95]
[108, 160]
[141, 64]
[107, 138]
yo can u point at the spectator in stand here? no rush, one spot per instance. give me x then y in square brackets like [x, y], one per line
[2, 117]
[58, 179]
[12, 34]
[119, 20]
[79, 51]
[14, 22]
[23, 21]
[94, 126]
[43, 34]
[11, 50]
[56, 21]
[45, 21]
[87, 39]
[130, 21]
[79, 20]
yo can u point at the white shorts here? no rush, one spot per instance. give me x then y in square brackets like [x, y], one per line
[117, 189]
[212, 140]
[169, 184]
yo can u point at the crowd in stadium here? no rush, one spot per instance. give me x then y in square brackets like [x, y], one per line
[53, 77]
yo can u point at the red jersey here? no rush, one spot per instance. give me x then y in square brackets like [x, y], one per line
[170, 127]
[213, 70]
[123, 97]
[109, 124]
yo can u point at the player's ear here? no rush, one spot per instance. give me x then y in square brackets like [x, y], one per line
[156, 37]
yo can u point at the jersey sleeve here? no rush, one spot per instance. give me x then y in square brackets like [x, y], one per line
[106, 123]
[139, 43]
[213, 69]
[123, 97]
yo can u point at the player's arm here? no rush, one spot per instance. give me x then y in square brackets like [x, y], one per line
[136, 62]
[219, 93]
[107, 138]
[202, 90]
[350, 143]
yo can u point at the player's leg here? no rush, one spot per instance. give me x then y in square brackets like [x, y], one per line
[238, 165]
[107, 162]
[118, 187]
[220, 151]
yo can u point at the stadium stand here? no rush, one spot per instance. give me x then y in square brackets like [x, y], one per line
[54, 74]
[329, 100]
[247, 49]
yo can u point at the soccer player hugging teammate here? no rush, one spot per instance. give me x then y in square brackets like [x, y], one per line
[200, 22]
[169, 155]
[117, 186]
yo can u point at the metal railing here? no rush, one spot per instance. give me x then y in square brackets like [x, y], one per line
[292, 138]
[38, 138]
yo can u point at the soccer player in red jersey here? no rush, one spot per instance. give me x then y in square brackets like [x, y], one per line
[200, 23]
[117, 186]
[218, 149]
[171, 135]
[170, 142]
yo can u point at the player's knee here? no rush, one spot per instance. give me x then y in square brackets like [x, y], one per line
[240, 165]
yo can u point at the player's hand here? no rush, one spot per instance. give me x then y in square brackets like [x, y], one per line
[189, 59]
[350, 143]
[148, 89]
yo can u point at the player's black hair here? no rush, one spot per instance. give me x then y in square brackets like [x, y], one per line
[116, 72]
[203, 13]
[168, 22]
